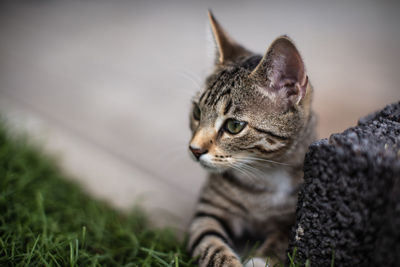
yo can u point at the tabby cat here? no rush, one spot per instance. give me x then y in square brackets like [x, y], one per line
[251, 127]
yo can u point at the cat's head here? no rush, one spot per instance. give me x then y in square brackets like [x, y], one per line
[252, 108]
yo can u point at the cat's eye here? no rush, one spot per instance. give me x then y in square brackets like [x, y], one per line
[233, 126]
[196, 112]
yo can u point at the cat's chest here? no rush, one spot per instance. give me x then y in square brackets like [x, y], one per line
[279, 197]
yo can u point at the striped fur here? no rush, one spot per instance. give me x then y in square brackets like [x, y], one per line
[251, 191]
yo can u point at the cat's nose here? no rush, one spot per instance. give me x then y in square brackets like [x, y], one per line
[197, 152]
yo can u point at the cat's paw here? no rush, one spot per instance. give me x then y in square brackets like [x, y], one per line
[224, 260]
[256, 262]
[235, 262]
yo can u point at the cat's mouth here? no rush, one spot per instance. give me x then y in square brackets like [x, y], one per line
[206, 161]
[212, 168]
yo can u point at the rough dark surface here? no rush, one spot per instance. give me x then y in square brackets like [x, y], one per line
[349, 204]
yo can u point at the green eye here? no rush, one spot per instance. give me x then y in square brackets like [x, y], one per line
[196, 112]
[234, 127]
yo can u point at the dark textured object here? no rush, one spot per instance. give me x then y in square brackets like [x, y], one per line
[349, 204]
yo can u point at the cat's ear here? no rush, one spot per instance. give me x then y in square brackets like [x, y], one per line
[227, 49]
[281, 72]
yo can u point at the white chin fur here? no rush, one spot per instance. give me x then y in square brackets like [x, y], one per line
[206, 163]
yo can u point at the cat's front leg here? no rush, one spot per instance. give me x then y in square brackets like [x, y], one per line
[274, 247]
[210, 242]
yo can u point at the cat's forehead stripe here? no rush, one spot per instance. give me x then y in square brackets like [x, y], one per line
[203, 95]
[216, 87]
[218, 93]
[228, 106]
[224, 92]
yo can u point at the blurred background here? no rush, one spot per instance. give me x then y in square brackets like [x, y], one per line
[106, 85]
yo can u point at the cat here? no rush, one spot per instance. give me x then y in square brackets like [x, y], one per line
[251, 127]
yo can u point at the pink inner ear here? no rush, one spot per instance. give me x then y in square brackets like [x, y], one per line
[289, 85]
[287, 69]
[282, 73]
[287, 65]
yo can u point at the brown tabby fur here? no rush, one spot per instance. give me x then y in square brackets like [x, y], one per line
[251, 192]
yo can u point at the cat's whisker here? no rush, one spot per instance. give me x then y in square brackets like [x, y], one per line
[191, 77]
[254, 171]
[241, 170]
[246, 164]
[250, 172]
[266, 160]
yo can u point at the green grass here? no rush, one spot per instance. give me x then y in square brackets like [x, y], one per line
[45, 220]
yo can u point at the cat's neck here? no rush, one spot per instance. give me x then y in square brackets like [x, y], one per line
[267, 178]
